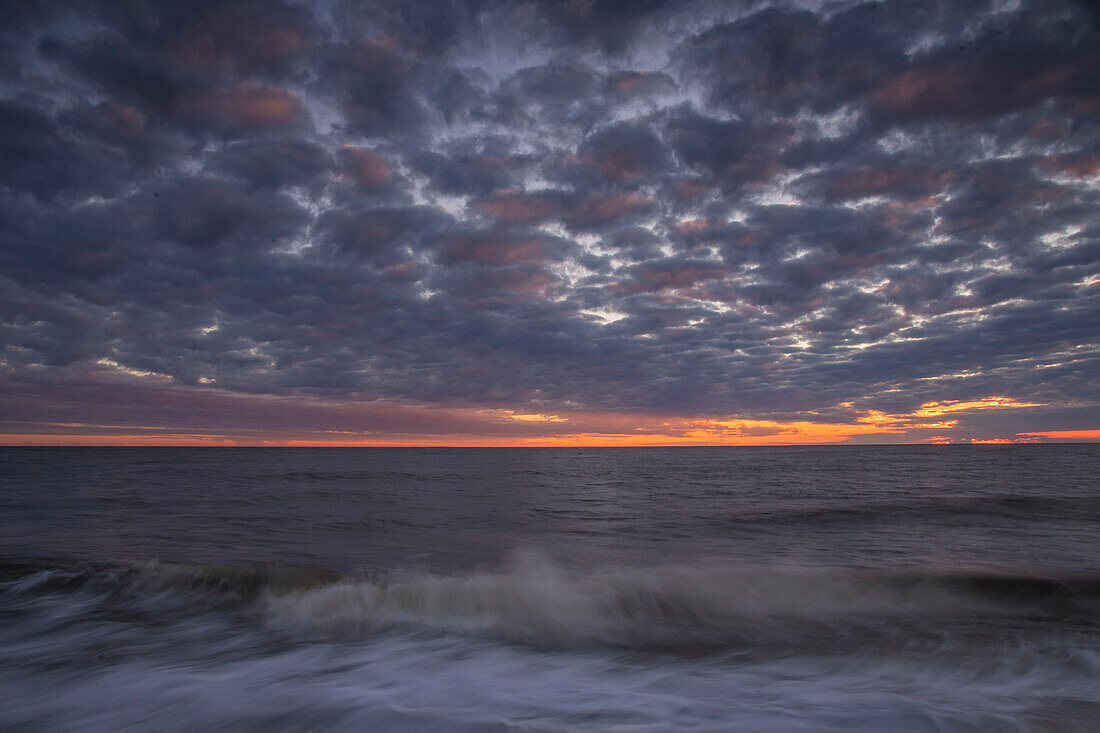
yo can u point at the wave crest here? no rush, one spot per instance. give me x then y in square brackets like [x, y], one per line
[533, 600]
[700, 608]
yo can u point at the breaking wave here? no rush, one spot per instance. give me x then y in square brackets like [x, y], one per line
[539, 645]
[715, 607]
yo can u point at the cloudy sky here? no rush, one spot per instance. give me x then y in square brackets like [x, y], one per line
[538, 223]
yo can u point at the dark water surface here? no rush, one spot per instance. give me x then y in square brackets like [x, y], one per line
[950, 588]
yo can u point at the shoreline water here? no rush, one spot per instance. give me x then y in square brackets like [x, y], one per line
[801, 590]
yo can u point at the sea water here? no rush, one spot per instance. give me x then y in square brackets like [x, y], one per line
[918, 588]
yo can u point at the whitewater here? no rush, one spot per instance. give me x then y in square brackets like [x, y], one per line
[782, 589]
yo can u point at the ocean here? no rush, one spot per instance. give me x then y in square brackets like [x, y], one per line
[855, 588]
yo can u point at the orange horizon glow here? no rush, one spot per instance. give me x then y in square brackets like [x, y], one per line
[496, 427]
[580, 440]
[697, 438]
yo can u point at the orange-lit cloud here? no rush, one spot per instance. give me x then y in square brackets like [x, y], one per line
[1089, 435]
[1020, 438]
[599, 209]
[535, 417]
[772, 432]
[365, 167]
[511, 205]
[935, 409]
[247, 105]
[918, 418]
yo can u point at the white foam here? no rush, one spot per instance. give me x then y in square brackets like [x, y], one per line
[88, 656]
[535, 600]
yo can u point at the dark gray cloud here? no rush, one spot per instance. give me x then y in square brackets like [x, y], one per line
[686, 209]
[276, 164]
[625, 154]
[42, 160]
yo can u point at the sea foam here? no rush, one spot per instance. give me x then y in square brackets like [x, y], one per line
[676, 607]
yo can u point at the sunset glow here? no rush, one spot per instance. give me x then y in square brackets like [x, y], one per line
[255, 222]
[465, 427]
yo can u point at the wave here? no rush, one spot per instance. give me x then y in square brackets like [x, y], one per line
[702, 608]
[688, 608]
[36, 575]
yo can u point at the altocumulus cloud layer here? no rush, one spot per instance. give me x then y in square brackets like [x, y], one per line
[536, 218]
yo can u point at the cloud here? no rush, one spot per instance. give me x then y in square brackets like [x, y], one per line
[1002, 78]
[273, 164]
[625, 154]
[41, 160]
[520, 207]
[262, 38]
[705, 221]
[464, 171]
[365, 167]
[206, 213]
[599, 210]
[640, 84]
[242, 108]
[732, 152]
[492, 248]
[668, 275]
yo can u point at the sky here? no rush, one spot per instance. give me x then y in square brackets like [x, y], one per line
[588, 222]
